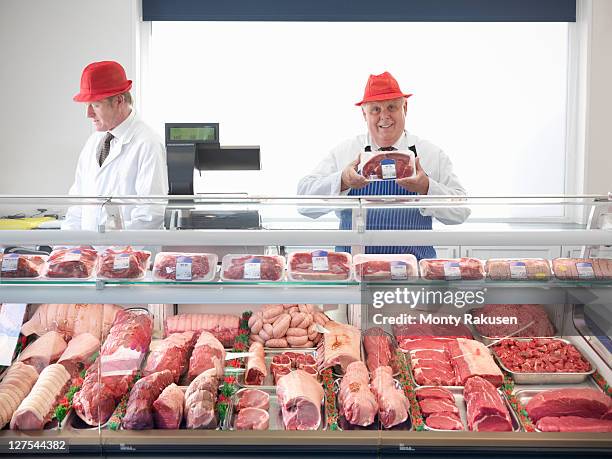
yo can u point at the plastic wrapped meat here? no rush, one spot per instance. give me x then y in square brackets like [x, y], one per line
[18, 266]
[252, 267]
[373, 268]
[582, 268]
[123, 263]
[451, 269]
[184, 266]
[518, 269]
[320, 265]
[171, 354]
[68, 263]
[388, 166]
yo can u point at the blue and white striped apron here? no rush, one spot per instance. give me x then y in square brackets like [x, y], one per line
[389, 219]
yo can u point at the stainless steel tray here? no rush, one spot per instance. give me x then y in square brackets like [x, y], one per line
[268, 382]
[460, 403]
[547, 378]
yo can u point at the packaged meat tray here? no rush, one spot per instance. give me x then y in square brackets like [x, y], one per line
[123, 263]
[185, 267]
[377, 268]
[71, 263]
[390, 166]
[542, 361]
[582, 268]
[19, 266]
[452, 269]
[261, 268]
[517, 269]
[320, 266]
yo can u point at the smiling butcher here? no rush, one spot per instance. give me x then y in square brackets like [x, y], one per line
[384, 108]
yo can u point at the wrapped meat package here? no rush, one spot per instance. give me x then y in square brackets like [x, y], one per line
[517, 269]
[582, 268]
[71, 263]
[187, 267]
[123, 263]
[19, 266]
[451, 269]
[268, 268]
[390, 166]
[372, 268]
[320, 266]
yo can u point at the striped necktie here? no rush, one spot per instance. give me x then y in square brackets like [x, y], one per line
[387, 149]
[105, 148]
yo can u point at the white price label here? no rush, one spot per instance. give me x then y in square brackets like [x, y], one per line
[518, 270]
[122, 261]
[585, 270]
[399, 271]
[9, 263]
[74, 255]
[252, 270]
[452, 271]
[183, 270]
[388, 170]
[320, 263]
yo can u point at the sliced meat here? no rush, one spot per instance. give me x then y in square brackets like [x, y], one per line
[573, 424]
[583, 402]
[252, 419]
[433, 405]
[444, 421]
[436, 393]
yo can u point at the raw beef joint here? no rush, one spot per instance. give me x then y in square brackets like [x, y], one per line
[15, 386]
[472, 358]
[208, 353]
[256, 370]
[319, 266]
[392, 403]
[378, 349]
[71, 263]
[573, 424]
[200, 401]
[403, 166]
[170, 354]
[139, 411]
[486, 411]
[301, 398]
[168, 408]
[357, 402]
[224, 327]
[583, 402]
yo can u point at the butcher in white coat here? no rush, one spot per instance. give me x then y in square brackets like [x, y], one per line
[123, 157]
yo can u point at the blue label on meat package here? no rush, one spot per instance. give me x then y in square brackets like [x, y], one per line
[388, 169]
[518, 270]
[585, 270]
[183, 268]
[319, 260]
[399, 270]
[252, 269]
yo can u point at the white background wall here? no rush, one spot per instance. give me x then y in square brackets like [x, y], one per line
[45, 44]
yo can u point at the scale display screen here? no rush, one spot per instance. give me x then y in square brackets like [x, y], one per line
[193, 134]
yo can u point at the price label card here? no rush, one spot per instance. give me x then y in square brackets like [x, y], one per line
[11, 319]
[452, 270]
[320, 261]
[388, 169]
[252, 270]
[73, 255]
[10, 262]
[585, 270]
[121, 261]
[518, 270]
[399, 270]
[183, 268]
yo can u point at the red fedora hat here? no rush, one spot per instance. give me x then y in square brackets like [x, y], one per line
[381, 87]
[101, 80]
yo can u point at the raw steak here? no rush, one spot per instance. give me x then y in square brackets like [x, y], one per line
[66, 263]
[18, 266]
[372, 268]
[300, 397]
[404, 166]
[392, 403]
[252, 398]
[170, 354]
[434, 405]
[434, 375]
[281, 364]
[531, 320]
[272, 268]
[573, 424]
[471, 358]
[168, 408]
[518, 269]
[207, 353]
[486, 411]
[377, 345]
[123, 263]
[582, 268]
[79, 353]
[256, 370]
[224, 327]
[139, 411]
[338, 266]
[423, 344]
[444, 421]
[15, 386]
[439, 393]
[44, 351]
[540, 356]
[200, 401]
[452, 269]
[252, 419]
[583, 402]
[357, 402]
[200, 268]
[341, 346]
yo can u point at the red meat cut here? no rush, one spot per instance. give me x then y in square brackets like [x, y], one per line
[472, 358]
[486, 411]
[444, 421]
[123, 263]
[435, 392]
[531, 320]
[540, 356]
[165, 265]
[252, 398]
[76, 262]
[272, 267]
[377, 345]
[139, 411]
[300, 397]
[338, 266]
[404, 165]
[168, 408]
[252, 419]
[583, 402]
[452, 269]
[573, 424]
[14, 265]
[170, 354]
[381, 270]
[582, 268]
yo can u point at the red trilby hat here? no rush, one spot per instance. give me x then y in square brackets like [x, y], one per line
[101, 80]
[381, 87]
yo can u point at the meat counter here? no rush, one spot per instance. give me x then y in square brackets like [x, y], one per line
[310, 364]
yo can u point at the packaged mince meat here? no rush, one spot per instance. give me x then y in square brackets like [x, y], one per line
[320, 266]
[390, 166]
[123, 263]
[517, 269]
[582, 268]
[187, 267]
[268, 268]
[71, 263]
[379, 267]
[18, 266]
[451, 269]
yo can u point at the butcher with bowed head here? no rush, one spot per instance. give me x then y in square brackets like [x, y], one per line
[122, 157]
[384, 107]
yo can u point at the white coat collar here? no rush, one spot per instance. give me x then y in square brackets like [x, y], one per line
[403, 143]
